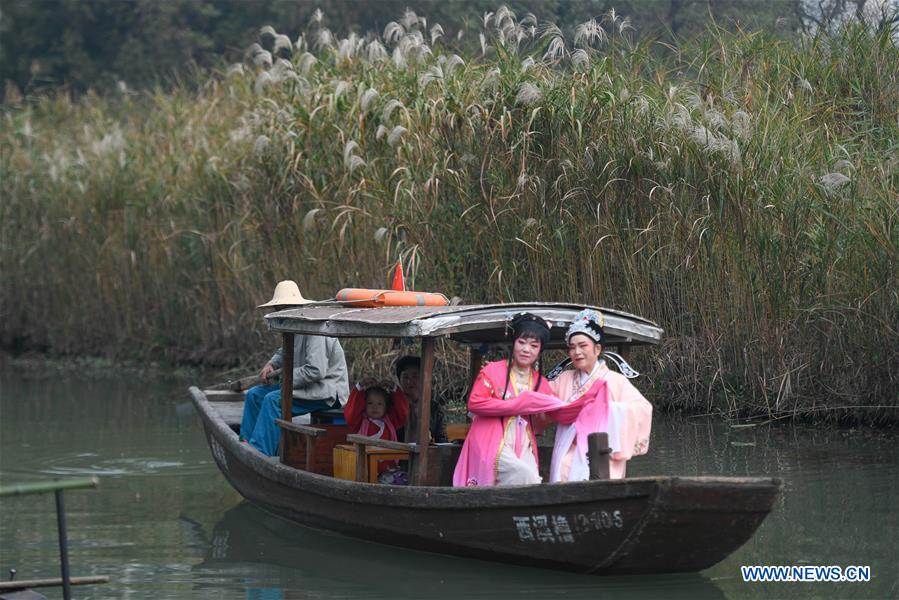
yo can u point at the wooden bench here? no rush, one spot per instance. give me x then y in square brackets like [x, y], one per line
[362, 444]
[310, 447]
[441, 459]
[346, 461]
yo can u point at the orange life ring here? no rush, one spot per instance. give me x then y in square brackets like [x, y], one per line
[364, 298]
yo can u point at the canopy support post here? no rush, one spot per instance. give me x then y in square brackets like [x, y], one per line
[286, 389]
[474, 365]
[424, 408]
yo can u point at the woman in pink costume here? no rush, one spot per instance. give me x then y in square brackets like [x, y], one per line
[610, 404]
[500, 448]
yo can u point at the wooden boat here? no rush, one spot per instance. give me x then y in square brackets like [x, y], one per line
[662, 524]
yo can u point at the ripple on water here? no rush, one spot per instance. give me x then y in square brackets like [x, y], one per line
[86, 465]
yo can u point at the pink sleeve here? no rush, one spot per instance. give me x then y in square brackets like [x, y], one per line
[568, 413]
[634, 415]
[554, 386]
[543, 420]
[484, 401]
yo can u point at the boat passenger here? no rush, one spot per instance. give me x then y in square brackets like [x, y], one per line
[617, 408]
[408, 371]
[319, 379]
[376, 410]
[500, 448]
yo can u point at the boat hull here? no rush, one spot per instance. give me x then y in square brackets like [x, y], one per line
[639, 525]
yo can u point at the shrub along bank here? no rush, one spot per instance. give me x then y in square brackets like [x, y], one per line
[738, 189]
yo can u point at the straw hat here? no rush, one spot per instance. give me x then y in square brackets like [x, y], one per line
[286, 294]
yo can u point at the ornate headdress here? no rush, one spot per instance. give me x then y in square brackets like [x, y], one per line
[525, 323]
[588, 322]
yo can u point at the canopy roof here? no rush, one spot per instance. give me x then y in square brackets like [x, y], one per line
[472, 324]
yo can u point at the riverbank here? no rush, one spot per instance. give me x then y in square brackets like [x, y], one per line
[738, 189]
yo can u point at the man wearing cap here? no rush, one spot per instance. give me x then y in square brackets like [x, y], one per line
[319, 379]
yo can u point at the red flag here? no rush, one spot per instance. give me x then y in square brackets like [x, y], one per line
[399, 284]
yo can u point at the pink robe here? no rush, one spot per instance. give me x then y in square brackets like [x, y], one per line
[478, 461]
[628, 421]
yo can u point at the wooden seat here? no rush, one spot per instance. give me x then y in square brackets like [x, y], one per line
[345, 461]
[310, 447]
[441, 459]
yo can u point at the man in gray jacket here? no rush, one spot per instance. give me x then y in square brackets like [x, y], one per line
[319, 379]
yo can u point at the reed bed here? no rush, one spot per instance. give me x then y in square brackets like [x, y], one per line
[739, 189]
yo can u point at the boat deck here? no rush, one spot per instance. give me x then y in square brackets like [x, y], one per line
[230, 407]
[231, 412]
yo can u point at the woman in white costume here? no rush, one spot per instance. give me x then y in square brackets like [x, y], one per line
[621, 411]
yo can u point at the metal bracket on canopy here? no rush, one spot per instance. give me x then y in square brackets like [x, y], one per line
[618, 360]
[557, 370]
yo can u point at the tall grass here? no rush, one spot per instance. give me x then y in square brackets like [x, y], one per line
[739, 189]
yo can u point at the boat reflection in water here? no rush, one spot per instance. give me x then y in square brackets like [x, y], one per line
[272, 558]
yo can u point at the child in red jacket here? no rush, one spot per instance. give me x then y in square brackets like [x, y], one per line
[376, 410]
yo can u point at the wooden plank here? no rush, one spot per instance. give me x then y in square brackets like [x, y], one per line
[230, 412]
[322, 461]
[286, 389]
[373, 441]
[223, 396]
[424, 407]
[344, 462]
[598, 452]
[441, 464]
[308, 433]
[360, 461]
[51, 582]
[305, 430]
[310, 451]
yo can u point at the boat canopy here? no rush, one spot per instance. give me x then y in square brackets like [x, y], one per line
[471, 325]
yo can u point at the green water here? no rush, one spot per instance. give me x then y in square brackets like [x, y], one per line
[165, 524]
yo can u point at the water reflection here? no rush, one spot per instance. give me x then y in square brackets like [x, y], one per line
[164, 523]
[271, 556]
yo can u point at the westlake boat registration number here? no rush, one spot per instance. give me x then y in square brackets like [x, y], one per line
[562, 529]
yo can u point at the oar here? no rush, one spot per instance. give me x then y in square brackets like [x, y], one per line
[242, 384]
[245, 383]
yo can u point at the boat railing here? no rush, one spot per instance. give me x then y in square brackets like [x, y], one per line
[310, 434]
[598, 453]
[57, 487]
[363, 442]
